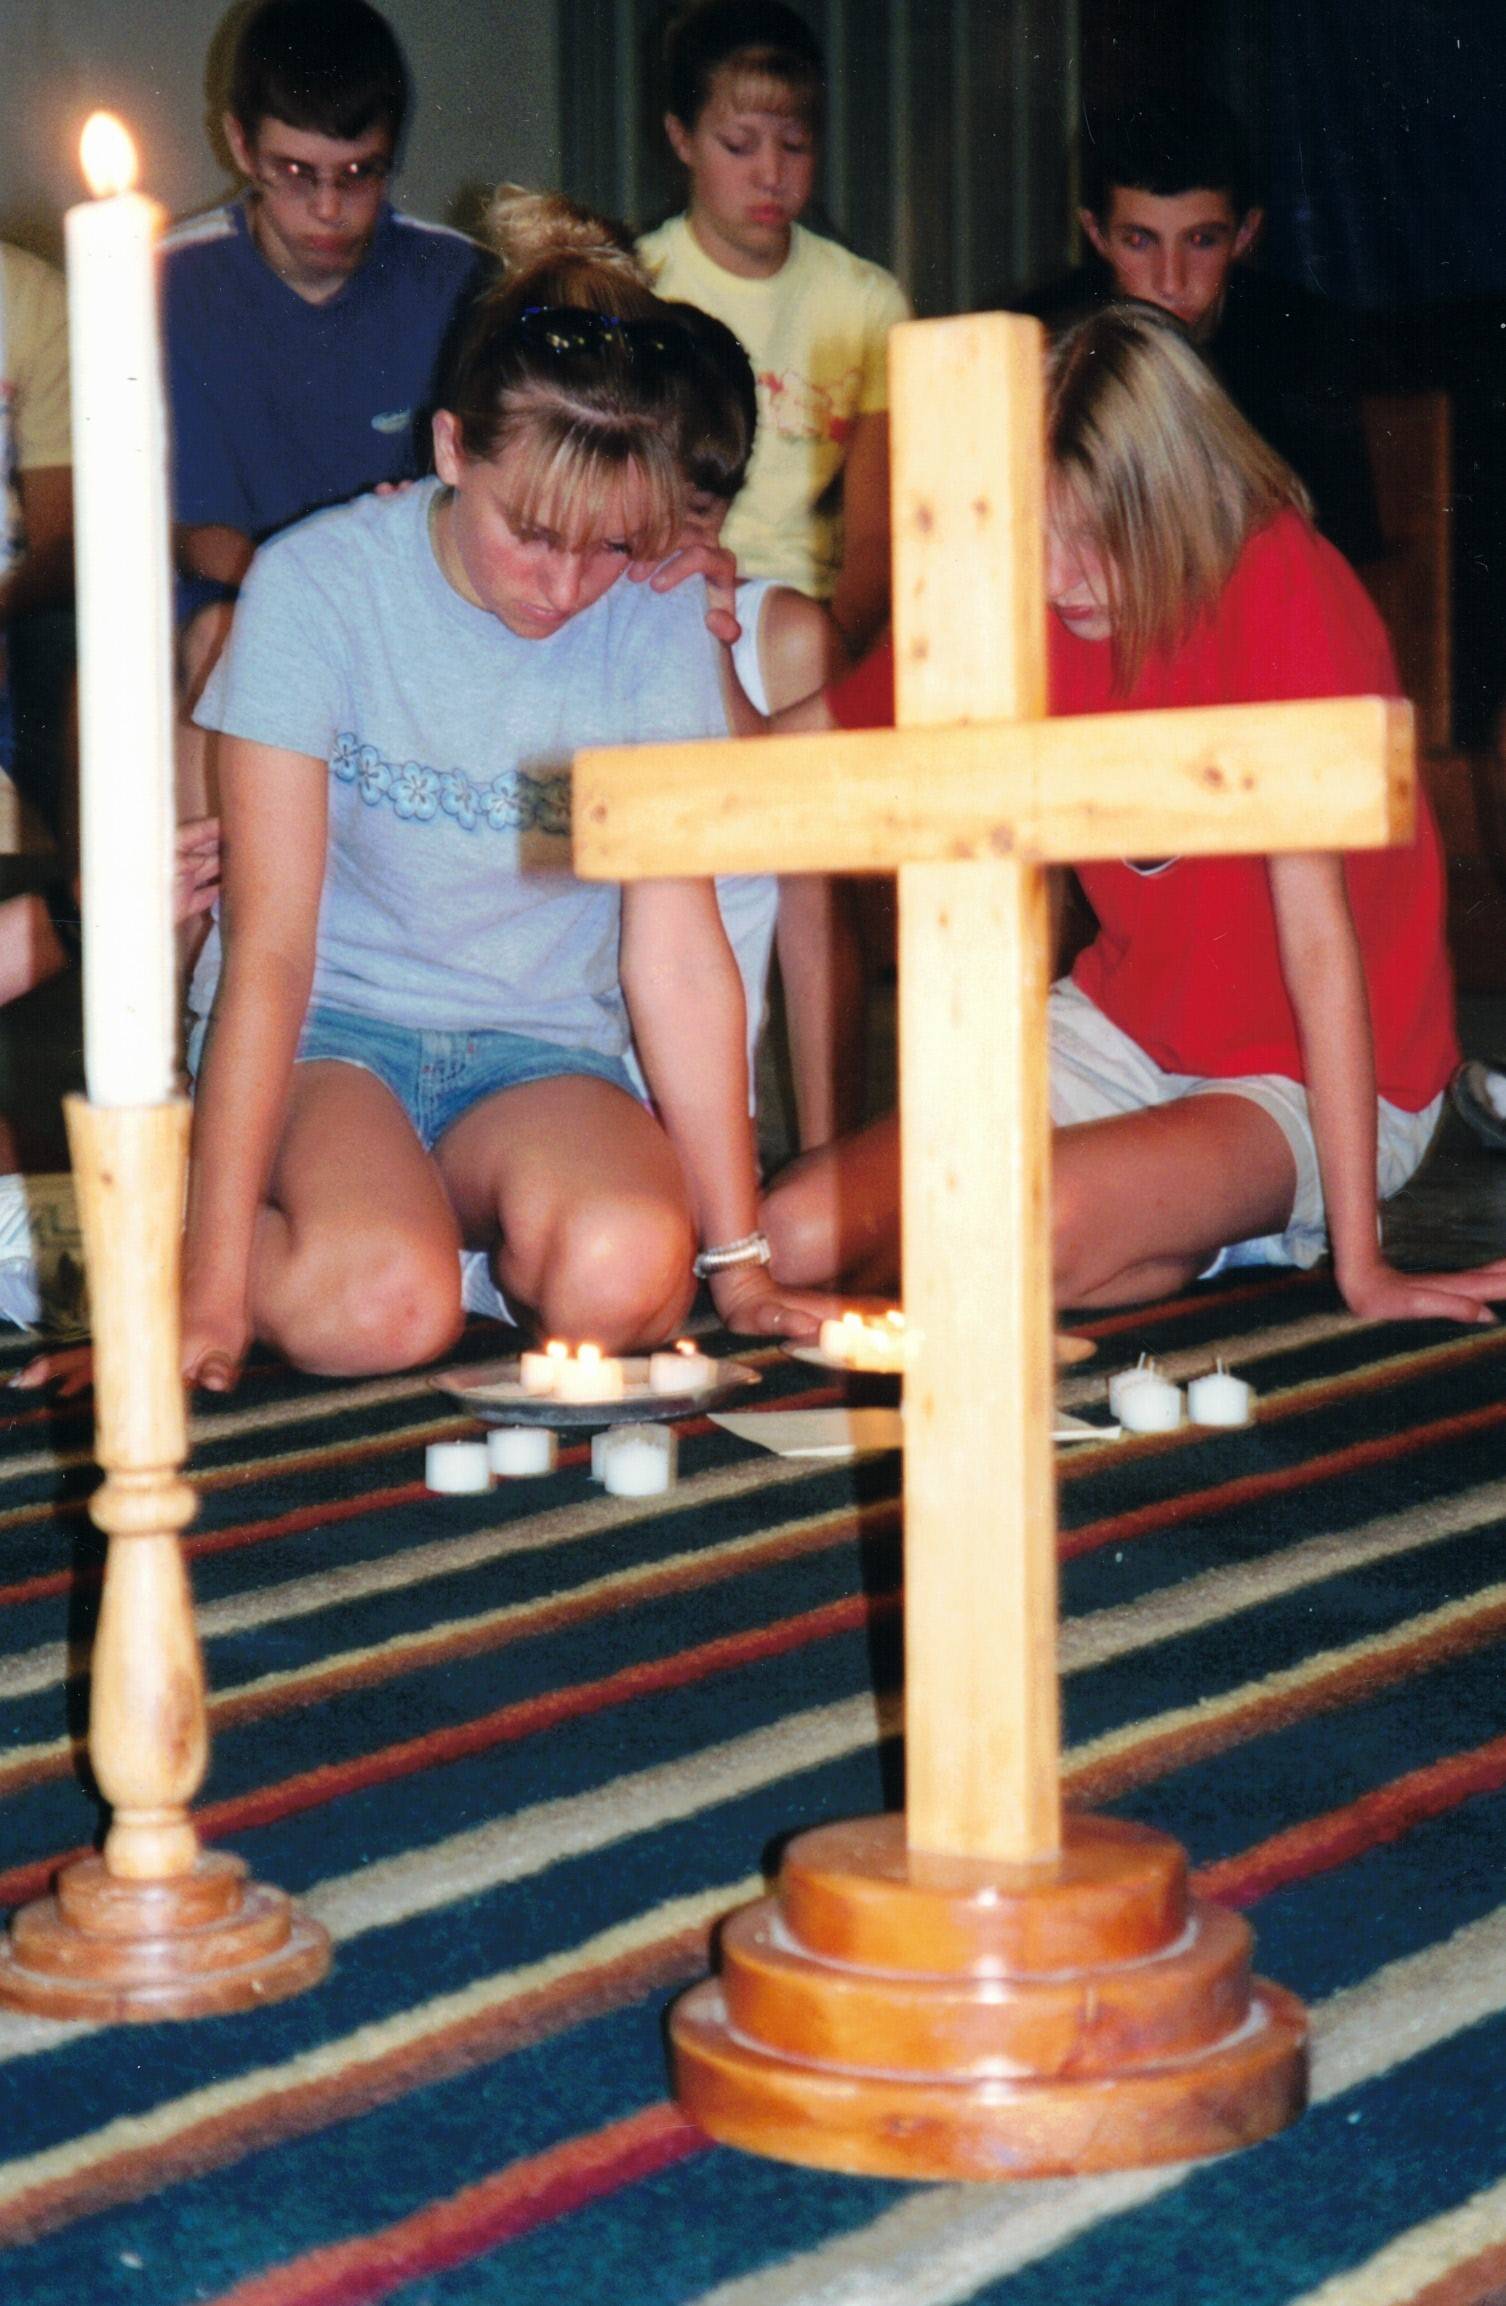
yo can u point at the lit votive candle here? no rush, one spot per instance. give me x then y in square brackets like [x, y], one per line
[858, 1342]
[517, 1450]
[1152, 1406]
[457, 1468]
[539, 1372]
[589, 1375]
[684, 1370]
[1219, 1399]
[637, 1460]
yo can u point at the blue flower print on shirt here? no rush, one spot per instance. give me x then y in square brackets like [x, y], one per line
[510, 802]
[457, 798]
[415, 791]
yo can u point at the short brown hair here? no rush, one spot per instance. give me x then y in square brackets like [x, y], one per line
[765, 48]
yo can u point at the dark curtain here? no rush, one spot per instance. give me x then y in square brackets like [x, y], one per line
[1387, 149]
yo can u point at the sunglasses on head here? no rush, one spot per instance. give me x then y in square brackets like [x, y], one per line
[574, 332]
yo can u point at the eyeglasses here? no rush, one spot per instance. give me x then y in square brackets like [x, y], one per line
[304, 181]
[574, 332]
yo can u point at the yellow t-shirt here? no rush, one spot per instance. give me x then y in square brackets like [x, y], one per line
[34, 422]
[815, 333]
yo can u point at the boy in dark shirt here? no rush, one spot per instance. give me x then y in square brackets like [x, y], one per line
[1170, 212]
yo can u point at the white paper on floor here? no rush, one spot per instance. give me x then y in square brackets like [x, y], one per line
[855, 1432]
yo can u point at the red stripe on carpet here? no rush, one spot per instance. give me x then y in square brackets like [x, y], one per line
[301, 2109]
[333, 1780]
[1320, 1844]
[315, 1685]
[1159, 1753]
[498, 2209]
[1479, 2282]
[1249, 1292]
[1224, 1497]
[300, 1518]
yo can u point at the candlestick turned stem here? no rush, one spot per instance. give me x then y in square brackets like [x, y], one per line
[156, 1927]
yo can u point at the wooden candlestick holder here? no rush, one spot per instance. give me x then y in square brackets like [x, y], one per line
[155, 1927]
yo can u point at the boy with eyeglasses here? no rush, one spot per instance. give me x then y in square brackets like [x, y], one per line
[304, 322]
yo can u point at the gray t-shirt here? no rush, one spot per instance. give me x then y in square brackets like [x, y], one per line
[449, 902]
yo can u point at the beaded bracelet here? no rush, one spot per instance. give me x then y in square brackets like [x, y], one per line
[753, 1249]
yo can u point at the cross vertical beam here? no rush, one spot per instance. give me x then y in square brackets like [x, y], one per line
[981, 1704]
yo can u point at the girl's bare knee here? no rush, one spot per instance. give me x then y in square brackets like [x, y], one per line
[1079, 1266]
[614, 1271]
[802, 1236]
[383, 1304]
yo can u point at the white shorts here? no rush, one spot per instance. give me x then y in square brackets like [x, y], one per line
[1098, 1071]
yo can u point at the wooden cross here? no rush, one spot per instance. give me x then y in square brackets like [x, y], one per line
[969, 799]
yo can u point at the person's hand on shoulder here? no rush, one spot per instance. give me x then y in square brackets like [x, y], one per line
[696, 559]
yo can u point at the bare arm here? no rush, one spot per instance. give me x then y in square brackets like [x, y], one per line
[685, 998]
[800, 648]
[43, 576]
[274, 835]
[817, 940]
[30, 949]
[1324, 973]
[221, 554]
[825, 1003]
[860, 603]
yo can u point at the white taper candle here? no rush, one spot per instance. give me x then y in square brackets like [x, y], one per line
[124, 629]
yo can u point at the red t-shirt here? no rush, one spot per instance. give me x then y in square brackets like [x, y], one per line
[1186, 959]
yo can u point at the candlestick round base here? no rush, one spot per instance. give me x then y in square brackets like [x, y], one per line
[905, 2016]
[202, 1944]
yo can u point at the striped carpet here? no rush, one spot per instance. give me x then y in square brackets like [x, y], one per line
[519, 1752]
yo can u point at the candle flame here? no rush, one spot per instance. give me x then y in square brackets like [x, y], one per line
[588, 1353]
[107, 155]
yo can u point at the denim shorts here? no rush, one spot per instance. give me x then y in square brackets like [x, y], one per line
[438, 1077]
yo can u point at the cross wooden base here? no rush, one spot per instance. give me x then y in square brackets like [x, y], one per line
[198, 1945]
[914, 2017]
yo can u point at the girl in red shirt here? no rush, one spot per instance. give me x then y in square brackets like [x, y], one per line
[1252, 1052]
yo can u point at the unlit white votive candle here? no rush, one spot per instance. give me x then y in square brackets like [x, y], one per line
[1219, 1399]
[517, 1450]
[539, 1372]
[589, 1375]
[684, 1370]
[457, 1468]
[637, 1460]
[1154, 1405]
[1123, 1379]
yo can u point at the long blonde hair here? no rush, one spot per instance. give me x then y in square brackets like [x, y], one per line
[1157, 466]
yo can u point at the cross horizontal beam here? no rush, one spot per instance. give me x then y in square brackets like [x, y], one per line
[1332, 774]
